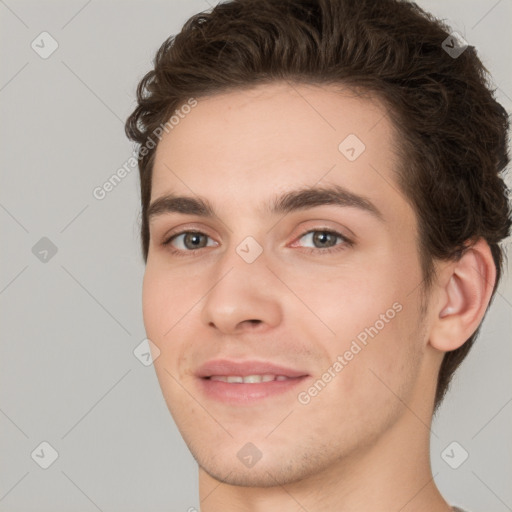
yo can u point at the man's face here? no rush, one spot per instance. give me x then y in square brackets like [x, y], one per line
[262, 293]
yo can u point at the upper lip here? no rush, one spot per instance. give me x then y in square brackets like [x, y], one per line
[245, 368]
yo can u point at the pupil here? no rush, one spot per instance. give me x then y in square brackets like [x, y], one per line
[323, 237]
[194, 238]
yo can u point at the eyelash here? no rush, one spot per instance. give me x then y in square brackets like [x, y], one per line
[310, 250]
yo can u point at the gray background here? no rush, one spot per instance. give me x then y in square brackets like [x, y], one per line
[68, 374]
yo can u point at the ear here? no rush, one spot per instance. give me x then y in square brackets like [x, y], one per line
[464, 294]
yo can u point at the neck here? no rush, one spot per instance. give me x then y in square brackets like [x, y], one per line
[393, 474]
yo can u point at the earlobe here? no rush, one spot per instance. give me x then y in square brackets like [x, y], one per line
[464, 297]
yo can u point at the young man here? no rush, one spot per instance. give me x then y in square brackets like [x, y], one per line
[321, 212]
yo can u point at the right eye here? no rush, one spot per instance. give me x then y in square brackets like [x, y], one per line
[189, 241]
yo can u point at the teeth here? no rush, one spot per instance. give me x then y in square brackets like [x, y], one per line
[249, 379]
[253, 379]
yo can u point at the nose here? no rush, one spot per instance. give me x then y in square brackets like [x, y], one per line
[243, 297]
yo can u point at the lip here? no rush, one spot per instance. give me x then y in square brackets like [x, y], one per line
[245, 393]
[245, 368]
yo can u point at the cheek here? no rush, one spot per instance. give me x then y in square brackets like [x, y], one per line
[375, 321]
[383, 373]
[166, 305]
[166, 300]
[159, 314]
[153, 307]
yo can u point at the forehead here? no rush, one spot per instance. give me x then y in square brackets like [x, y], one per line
[239, 147]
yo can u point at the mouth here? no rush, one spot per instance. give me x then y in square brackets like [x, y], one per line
[246, 382]
[249, 379]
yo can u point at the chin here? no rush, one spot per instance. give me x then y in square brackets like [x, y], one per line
[263, 476]
[273, 469]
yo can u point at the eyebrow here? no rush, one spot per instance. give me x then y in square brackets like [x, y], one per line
[294, 200]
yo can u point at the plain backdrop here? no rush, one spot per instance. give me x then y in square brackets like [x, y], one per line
[71, 273]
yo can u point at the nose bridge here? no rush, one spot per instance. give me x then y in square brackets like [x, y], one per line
[246, 240]
[241, 290]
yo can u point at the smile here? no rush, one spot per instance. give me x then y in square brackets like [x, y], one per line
[249, 379]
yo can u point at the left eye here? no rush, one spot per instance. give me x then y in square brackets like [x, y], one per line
[323, 239]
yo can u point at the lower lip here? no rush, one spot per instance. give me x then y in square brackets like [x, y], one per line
[239, 393]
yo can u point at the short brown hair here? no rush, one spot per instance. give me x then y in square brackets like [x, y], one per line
[453, 132]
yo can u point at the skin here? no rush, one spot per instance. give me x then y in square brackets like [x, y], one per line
[363, 442]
